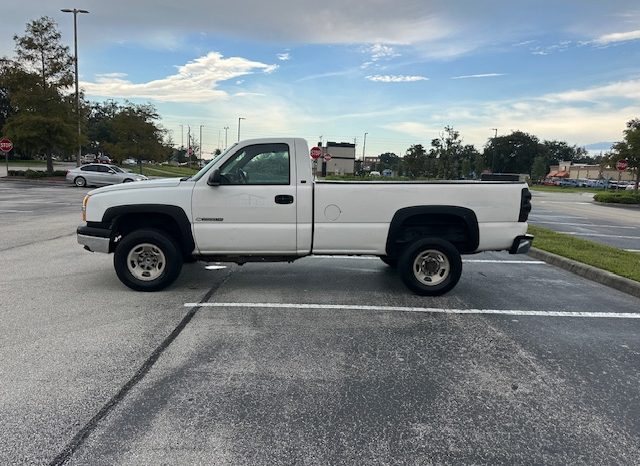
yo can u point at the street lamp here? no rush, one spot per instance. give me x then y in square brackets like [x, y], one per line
[226, 129]
[201, 126]
[364, 144]
[241, 118]
[75, 12]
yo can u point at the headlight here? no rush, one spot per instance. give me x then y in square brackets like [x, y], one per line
[85, 201]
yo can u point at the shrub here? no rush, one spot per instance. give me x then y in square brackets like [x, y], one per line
[625, 197]
[35, 174]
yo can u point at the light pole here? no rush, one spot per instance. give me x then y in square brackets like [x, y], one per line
[364, 144]
[75, 12]
[181, 136]
[226, 128]
[201, 126]
[241, 118]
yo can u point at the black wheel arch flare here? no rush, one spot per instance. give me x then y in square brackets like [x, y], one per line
[463, 215]
[115, 215]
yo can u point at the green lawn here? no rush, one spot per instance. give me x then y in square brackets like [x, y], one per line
[167, 171]
[562, 189]
[623, 263]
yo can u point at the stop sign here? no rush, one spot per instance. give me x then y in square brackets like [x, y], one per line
[315, 153]
[622, 165]
[5, 145]
[327, 157]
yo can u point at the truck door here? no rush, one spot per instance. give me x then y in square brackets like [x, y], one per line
[253, 210]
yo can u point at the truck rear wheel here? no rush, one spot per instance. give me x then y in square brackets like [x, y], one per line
[147, 260]
[430, 267]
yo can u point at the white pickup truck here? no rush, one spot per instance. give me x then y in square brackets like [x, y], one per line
[258, 201]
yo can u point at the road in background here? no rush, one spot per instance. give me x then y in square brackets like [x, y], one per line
[577, 214]
[281, 364]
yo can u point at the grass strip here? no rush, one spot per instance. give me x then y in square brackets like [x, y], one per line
[562, 189]
[623, 263]
[166, 171]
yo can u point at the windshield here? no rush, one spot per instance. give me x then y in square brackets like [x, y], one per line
[205, 169]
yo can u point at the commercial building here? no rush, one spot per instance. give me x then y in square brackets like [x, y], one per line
[342, 162]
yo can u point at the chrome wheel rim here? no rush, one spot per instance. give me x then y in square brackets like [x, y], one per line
[146, 262]
[431, 267]
[80, 182]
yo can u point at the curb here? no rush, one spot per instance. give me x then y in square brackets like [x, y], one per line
[33, 181]
[587, 271]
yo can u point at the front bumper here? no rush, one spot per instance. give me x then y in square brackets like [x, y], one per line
[521, 244]
[95, 239]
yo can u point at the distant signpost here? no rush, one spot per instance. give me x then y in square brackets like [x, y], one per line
[5, 146]
[315, 153]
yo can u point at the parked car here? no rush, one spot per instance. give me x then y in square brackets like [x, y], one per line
[568, 183]
[103, 159]
[129, 162]
[630, 187]
[99, 174]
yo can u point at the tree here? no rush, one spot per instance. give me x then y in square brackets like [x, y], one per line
[513, 153]
[134, 133]
[42, 115]
[628, 149]
[415, 161]
[539, 168]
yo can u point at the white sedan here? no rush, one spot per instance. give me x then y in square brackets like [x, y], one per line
[100, 174]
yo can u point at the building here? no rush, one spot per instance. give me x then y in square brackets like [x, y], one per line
[342, 162]
[589, 172]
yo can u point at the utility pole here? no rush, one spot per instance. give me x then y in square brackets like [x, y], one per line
[364, 144]
[241, 118]
[200, 145]
[181, 136]
[75, 12]
[226, 128]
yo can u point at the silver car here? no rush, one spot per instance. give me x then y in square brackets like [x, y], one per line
[100, 174]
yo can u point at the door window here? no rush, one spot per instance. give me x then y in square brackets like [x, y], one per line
[266, 164]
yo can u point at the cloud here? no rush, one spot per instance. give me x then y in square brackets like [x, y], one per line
[624, 90]
[396, 78]
[284, 56]
[607, 39]
[381, 51]
[485, 75]
[195, 81]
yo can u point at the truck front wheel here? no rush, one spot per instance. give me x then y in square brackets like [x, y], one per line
[430, 267]
[147, 260]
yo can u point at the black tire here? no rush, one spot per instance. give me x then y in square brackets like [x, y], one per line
[390, 261]
[430, 267]
[147, 260]
[80, 182]
[127, 180]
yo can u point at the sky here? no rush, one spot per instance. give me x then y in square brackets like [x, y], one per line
[397, 71]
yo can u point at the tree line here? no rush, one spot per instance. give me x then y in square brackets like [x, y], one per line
[518, 152]
[38, 113]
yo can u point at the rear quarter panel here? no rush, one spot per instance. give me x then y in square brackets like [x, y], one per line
[354, 217]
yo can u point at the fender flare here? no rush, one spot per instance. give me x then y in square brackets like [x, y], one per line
[467, 216]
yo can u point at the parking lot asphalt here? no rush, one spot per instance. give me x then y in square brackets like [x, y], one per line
[324, 361]
[577, 214]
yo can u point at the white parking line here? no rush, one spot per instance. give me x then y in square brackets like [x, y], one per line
[10, 211]
[585, 225]
[348, 307]
[598, 235]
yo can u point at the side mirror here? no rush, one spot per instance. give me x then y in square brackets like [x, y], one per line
[214, 178]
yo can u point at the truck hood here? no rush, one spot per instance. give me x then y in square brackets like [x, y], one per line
[159, 183]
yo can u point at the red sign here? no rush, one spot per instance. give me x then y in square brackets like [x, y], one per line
[327, 157]
[315, 153]
[5, 145]
[621, 165]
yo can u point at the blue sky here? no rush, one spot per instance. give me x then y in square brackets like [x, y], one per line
[397, 70]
